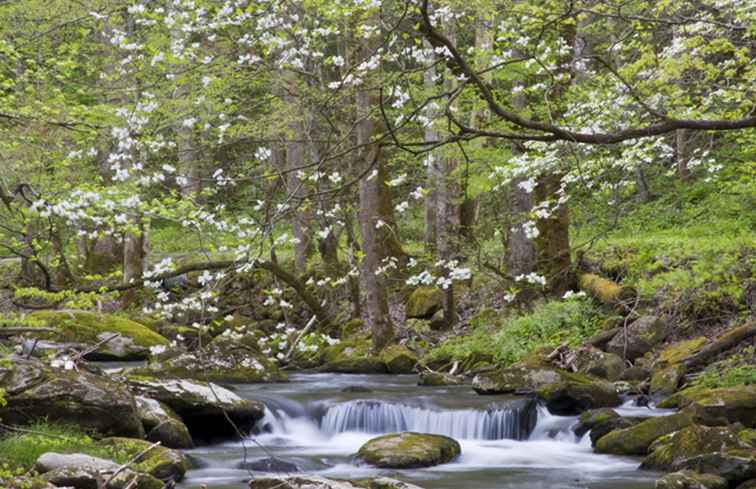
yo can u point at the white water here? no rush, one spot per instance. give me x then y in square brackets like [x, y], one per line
[503, 445]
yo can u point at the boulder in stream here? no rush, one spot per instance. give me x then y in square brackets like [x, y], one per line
[718, 406]
[399, 359]
[687, 479]
[409, 450]
[272, 465]
[162, 424]
[636, 440]
[688, 442]
[202, 406]
[735, 465]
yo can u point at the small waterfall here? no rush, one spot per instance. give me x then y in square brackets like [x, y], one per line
[494, 423]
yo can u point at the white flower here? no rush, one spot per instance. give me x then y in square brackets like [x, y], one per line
[157, 349]
[337, 61]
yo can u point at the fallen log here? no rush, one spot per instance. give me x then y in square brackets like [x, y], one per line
[605, 290]
[721, 344]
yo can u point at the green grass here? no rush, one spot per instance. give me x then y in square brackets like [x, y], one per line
[735, 370]
[21, 450]
[509, 340]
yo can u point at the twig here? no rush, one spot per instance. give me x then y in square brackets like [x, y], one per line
[131, 462]
[95, 347]
[306, 329]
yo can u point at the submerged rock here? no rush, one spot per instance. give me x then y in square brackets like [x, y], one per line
[688, 442]
[271, 465]
[35, 391]
[435, 379]
[314, 481]
[162, 424]
[202, 406]
[636, 440]
[687, 479]
[409, 450]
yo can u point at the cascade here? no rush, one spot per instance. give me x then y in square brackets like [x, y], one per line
[494, 423]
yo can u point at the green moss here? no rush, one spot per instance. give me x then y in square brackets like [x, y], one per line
[423, 302]
[399, 359]
[688, 442]
[159, 462]
[637, 439]
[682, 350]
[84, 326]
[409, 450]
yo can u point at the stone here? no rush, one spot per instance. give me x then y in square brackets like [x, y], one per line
[722, 406]
[690, 441]
[665, 380]
[688, 479]
[399, 359]
[588, 420]
[52, 461]
[409, 450]
[224, 359]
[352, 355]
[734, 465]
[436, 379]
[564, 393]
[643, 335]
[162, 424]
[159, 462]
[423, 302]
[73, 326]
[635, 374]
[35, 391]
[749, 484]
[636, 440]
[596, 363]
[202, 406]
[270, 465]
[318, 482]
[86, 478]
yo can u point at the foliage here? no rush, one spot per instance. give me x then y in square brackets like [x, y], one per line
[22, 449]
[735, 370]
[509, 340]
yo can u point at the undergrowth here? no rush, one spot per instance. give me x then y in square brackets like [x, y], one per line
[505, 341]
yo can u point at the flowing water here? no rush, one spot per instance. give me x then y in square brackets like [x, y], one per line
[319, 421]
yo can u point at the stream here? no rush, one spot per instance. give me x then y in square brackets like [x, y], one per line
[318, 421]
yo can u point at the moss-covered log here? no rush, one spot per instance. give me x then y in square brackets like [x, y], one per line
[723, 343]
[605, 290]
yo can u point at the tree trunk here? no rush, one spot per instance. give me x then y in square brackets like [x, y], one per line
[376, 238]
[134, 255]
[431, 170]
[683, 145]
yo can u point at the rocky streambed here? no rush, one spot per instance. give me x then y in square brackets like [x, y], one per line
[317, 423]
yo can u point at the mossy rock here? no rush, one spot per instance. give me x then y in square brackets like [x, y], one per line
[26, 482]
[718, 406]
[437, 379]
[735, 465]
[594, 362]
[637, 439]
[35, 391]
[409, 450]
[682, 350]
[399, 359]
[352, 355]
[515, 380]
[748, 437]
[351, 328]
[588, 420]
[86, 478]
[643, 335]
[665, 380]
[89, 327]
[688, 442]
[423, 302]
[224, 359]
[576, 393]
[162, 424]
[160, 462]
[687, 479]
